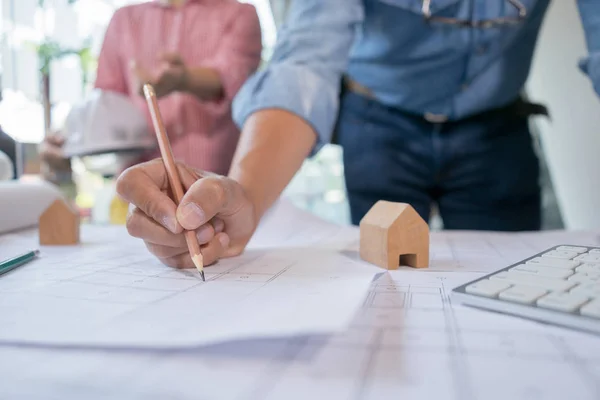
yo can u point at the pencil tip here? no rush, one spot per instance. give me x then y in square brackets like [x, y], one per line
[202, 275]
[198, 261]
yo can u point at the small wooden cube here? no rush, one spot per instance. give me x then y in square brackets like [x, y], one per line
[59, 225]
[393, 234]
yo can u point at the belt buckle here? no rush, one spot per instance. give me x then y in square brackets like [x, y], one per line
[357, 88]
[435, 118]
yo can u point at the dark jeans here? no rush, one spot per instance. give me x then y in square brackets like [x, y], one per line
[482, 173]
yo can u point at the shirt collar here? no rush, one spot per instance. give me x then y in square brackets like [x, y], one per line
[165, 3]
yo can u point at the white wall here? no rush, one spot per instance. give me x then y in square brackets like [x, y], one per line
[571, 140]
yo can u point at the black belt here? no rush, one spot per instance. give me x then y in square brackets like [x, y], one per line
[519, 108]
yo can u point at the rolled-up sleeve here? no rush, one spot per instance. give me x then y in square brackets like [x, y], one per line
[304, 73]
[590, 16]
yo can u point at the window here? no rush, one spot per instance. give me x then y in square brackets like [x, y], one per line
[318, 187]
[24, 24]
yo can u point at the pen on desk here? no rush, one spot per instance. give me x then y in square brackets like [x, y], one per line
[12, 263]
[172, 173]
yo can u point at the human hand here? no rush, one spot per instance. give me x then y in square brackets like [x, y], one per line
[215, 207]
[52, 156]
[50, 149]
[170, 77]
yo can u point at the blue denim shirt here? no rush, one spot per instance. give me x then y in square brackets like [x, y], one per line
[406, 62]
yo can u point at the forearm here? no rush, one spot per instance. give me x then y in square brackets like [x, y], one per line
[273, 145]
[303, 77]
[204, 83]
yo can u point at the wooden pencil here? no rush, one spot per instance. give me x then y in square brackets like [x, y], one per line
[172, 173]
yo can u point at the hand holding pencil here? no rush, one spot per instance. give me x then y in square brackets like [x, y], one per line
[215, 209]
[172, 174]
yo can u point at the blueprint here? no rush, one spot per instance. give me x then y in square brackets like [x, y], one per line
[110, 291]
[407, 340]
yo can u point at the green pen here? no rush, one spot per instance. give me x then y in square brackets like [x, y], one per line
[12, 263]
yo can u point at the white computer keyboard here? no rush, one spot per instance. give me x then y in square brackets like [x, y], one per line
[559, 286]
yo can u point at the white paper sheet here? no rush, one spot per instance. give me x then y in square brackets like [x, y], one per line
[110, 291]
[490, 251]
[408, 340]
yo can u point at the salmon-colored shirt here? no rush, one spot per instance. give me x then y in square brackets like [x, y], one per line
[223, 35]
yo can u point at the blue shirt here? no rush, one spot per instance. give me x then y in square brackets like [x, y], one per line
[406, 62]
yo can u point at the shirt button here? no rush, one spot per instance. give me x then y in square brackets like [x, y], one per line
[464, 86]
[481, 49]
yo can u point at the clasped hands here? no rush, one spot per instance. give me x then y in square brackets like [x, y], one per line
[171, 75]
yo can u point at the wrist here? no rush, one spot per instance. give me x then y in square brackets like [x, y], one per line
[254, 200]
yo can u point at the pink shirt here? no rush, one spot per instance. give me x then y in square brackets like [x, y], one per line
[223, 35]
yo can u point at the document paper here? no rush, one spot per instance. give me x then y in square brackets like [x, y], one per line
[409, 340]
[110, 291]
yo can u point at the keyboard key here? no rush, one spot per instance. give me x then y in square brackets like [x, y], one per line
[592, 264]
[573, 249]
[522, 294]
[590, 268]
[587, 289]
[541, 270]
[567, 255]
[518, 278]
[582, 277]
[567, 302]
[591, 309]
[554, 262]
[588, 258]
[487, 288]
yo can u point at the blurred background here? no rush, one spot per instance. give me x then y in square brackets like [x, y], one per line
[51, 47]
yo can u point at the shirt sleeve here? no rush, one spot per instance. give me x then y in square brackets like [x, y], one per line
[110, 74]
[590, 16]
[304, 73]
[239, 55]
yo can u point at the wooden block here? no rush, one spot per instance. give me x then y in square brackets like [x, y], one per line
[59, 225]
[393, 234]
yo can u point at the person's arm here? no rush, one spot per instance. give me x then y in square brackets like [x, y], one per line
[289, 109]
[590, 16]
[204, 83]
[110, 74]
[271, 150]
[220, 78]
[285, 110]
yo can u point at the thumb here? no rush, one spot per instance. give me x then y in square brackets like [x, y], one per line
[206, 198]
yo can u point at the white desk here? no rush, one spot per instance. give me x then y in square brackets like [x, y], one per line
[408, 342]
